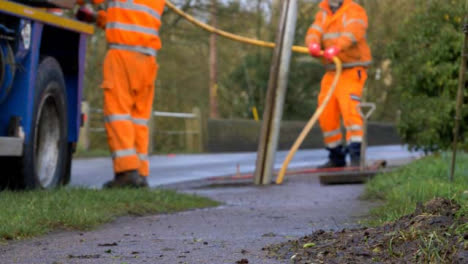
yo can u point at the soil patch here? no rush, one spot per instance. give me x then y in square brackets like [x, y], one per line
[432, 234]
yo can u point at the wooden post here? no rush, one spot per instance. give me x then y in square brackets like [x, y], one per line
[214, 113]
[459, 105]
[198, 129]
[276, 93]
[151, 123]
[84, 141]
[189, 140]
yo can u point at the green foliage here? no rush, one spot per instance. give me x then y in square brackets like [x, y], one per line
[421, 39]
[426, 56]
[248, 83]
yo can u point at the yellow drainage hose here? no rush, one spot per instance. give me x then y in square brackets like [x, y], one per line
[311, 123]
[228, 35]
[266, 44]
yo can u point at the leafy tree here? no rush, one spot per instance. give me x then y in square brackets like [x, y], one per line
[426, 58]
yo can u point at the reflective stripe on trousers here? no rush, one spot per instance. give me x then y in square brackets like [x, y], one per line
[342, 106]
[139, 49]
[123, 153]
[125, 117]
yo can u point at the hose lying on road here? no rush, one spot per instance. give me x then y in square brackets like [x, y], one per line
[310, 124]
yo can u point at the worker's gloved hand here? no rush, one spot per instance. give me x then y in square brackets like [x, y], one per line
[86, 14]
[101, 19]
[331, 52]
[315, 49]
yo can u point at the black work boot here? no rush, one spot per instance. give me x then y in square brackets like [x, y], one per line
[336, 158]
[354, 150]
[125, 179]
[142, 181]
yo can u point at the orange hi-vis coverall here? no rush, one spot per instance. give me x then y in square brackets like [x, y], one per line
[130, 70]
[345, 29]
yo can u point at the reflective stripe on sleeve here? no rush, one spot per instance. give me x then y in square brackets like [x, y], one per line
[354, 20]
[143, 157]
[324, 16]
[139, 49]
[123, 153]
[350, 35]
[317, 27]
[135, 7]
[310, 37]
[134, 28]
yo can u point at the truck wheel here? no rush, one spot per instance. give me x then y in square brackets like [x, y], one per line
[46, 152]
[65, 180]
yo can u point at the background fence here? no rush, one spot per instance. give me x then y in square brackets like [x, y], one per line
[185, 130]
[188, 132]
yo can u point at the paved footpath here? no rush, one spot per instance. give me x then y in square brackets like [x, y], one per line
[251, 218]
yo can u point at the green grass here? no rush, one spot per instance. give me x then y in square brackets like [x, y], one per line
[33, 213]
[418, 182]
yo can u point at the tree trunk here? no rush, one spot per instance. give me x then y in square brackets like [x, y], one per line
[213, 64]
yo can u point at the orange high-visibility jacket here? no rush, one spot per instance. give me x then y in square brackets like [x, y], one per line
[345, 29]
[133, 24]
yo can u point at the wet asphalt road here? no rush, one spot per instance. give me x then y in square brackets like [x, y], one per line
[167, 169]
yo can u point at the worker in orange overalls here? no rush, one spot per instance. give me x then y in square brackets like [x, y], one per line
[340, 29]
[129, 74]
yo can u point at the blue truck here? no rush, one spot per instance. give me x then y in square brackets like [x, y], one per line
[42, 64]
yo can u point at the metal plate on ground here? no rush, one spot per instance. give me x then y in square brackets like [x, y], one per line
[347, 177]
[66, 4]
[353, 175]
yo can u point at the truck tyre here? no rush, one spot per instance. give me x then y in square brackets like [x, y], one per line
[46, 153]
[65, 180]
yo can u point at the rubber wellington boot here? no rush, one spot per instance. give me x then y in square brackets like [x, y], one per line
[354, 150]
[336, 158]
[125, 179]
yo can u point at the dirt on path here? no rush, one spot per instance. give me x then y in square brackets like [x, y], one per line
[427, 236]
[236, 232]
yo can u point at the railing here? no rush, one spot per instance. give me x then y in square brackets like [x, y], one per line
[192, 131]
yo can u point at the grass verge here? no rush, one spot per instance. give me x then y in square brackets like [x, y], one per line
[32, 213]
[418, 183]
[423, 219]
